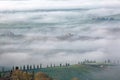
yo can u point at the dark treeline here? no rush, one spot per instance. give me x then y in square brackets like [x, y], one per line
[34, 67]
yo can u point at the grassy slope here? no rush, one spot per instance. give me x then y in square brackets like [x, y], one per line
[83, 72]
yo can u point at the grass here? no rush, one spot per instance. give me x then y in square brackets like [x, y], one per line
[83, 72]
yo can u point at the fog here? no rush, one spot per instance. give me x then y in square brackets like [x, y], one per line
[110, 73]
[57, 31]
[56, 4]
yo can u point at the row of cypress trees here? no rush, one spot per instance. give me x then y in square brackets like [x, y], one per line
[33, 67]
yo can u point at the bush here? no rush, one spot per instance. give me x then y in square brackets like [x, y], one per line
[75, 78]
[42, 76]
[20, 75]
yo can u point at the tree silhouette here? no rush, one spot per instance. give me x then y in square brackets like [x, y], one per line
[40, 65]
[30, 67]
[33, 66]
[24, 67]
[27, 67]
[37, 66]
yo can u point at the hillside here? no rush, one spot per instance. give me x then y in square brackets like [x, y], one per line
[89, 71]
[83, 72]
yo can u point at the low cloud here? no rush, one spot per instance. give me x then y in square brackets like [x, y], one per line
[31, 33]
[50, 4]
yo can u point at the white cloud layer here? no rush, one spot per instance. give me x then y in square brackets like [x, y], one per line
[29, 35]
[55, 4]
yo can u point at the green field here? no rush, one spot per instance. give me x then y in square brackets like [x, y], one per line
[89, 71]
[80, 71]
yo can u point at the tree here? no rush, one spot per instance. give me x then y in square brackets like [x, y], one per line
[47, 66]
[51, 65]
[24, 67]
[37, 66]
[20, 67]
[33, 66]
[30, 67]
[40, 65]
[3, 69]
[16, 74]
[42, 76]
[13, 68]
[60, 65]
[20, 75]
[75, 78]
[0, 74]
[54, 65]
[27, 67]
[109, 61]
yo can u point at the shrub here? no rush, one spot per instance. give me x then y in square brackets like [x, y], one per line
[42, 76]
[75, 78]
[20, 75]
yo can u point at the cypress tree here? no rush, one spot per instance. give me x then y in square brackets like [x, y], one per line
[51, 65]
[33, 66]
[37, 66]
[24, 67]
[54, 65]
[40, 65]
[60, 65]
[30, 67]
[27, 67]
[13, 68]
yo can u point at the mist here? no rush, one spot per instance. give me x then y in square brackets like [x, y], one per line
[49, 31]
[110, 73]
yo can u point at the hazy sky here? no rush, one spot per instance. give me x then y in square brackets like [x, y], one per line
[46, 4]
[58, 31]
